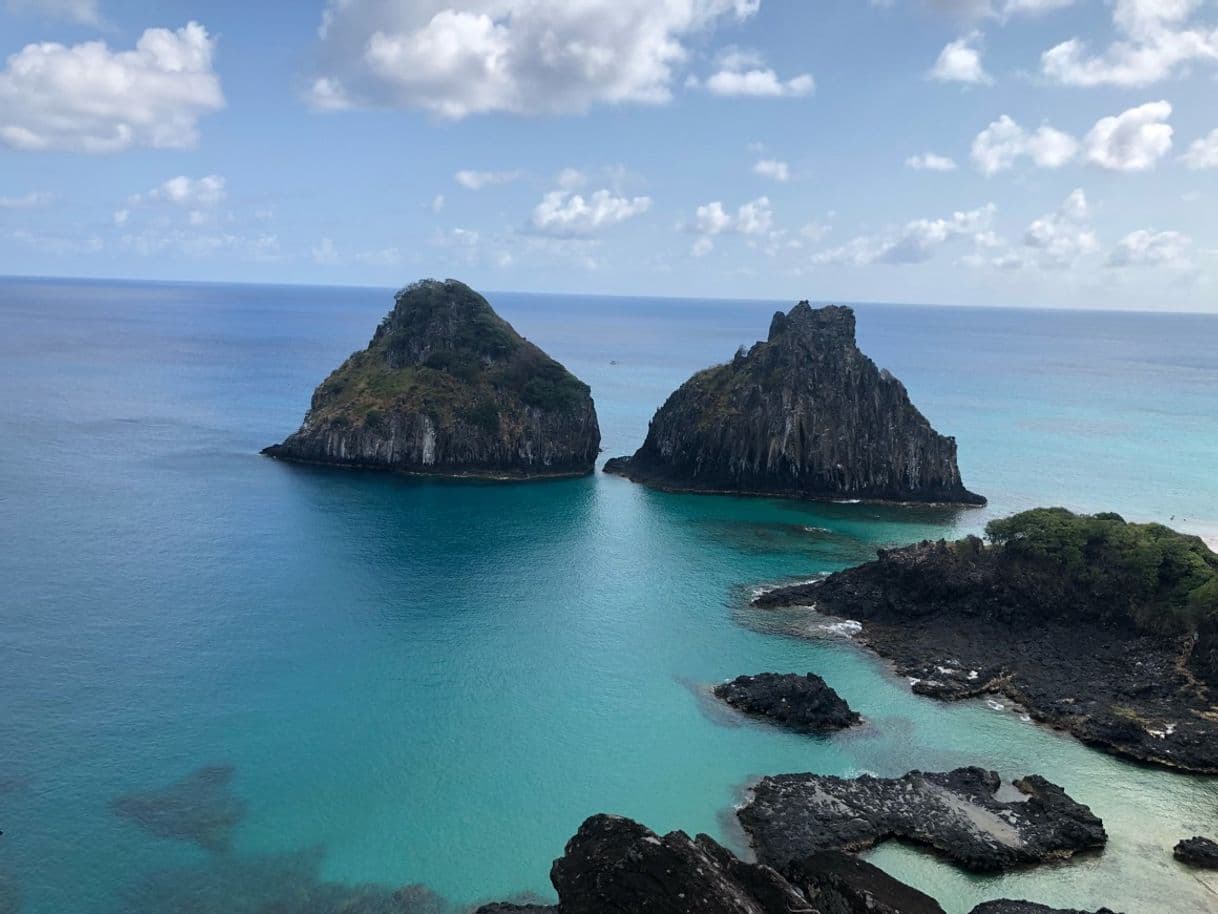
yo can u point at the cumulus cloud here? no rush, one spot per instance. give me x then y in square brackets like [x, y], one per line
[1158, 39]
[960, 61]
[1004, 142]
[1132, 141]
[84, 12]
[457, 58]
[1060, 238]
[87, 98]
[565, 214]
[1203, 153]
[744, 73]
[773, 169]
[1145, 248]
[929, 161]
[476, 180]
[187, 192]
[915, 242]
[754, 218]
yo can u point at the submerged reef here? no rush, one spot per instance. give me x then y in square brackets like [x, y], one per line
[447, 387]
[803, 414]
[1104, 628]
[199, 808]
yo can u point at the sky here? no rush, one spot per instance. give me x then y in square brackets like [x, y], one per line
[1041, 153]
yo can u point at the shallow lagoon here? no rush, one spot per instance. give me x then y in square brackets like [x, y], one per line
[419, 682]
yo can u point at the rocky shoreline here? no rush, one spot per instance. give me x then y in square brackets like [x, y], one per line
[961, 624]
[806, 704]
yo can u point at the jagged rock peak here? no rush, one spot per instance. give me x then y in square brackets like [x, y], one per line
[803, 414]
[447, 387]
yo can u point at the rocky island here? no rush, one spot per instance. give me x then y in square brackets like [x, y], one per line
[1104, 628]
[806, 704]
[803, 414]
[616, 866]
[447, 387]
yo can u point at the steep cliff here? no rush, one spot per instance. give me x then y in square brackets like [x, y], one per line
[447, 387]
[803, 414]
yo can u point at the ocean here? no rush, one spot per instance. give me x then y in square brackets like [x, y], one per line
[434, 683]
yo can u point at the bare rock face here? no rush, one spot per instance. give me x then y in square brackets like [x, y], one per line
[446, 387]
[803, 703]
[957, 813]
[804, 414]
[1027, 907]
[1198, 852]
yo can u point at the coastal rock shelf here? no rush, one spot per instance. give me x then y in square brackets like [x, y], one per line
[1198, 852]
[957, 813]
[1028, 907]
[803, 703]
[616, 866]
[447, 387]
[803, 414]
[1103, 628]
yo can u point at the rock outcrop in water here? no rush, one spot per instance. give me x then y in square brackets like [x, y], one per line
[1028, 907]
[803, 703]
[447, 387]
[616, 866]
[957, 813]
[804, 414]
[1199, 852]
[1098, 626]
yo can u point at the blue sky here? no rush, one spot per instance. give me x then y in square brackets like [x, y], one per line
[1011, 152]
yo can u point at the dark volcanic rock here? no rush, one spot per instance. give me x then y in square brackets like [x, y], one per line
[502, 907]
[965, 619]
[957, 813]
[199, 808]
[837, 882]
[1027, 907]
[615, 865]
[804, 703]
[1200, 852]
[447, 387]
[804, 414]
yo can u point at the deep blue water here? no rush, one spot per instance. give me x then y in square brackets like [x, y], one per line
[427, 682]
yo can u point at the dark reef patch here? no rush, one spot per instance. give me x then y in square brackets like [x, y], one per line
[200, 808]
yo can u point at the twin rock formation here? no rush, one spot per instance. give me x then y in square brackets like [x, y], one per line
[447, 387]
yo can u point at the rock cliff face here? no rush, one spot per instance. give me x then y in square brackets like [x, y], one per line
[803, 414]
[447, 387]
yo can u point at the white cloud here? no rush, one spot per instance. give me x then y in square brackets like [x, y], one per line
[774, 169]
[476, 180]
[31, 200]
[759, 83]
[565, 214]
[437, 204]
[84, 12]
[915, 242]
[1060, 238]
[1203, 153]
[1156, 43]
[753, 218]
[960, 61]
[456, 58]
[203, 192]
[929, 161]
[1033, 7]
[121, 216]
[1145, 248]
[1001, 144]
[325, 253]
[87, 98]
[571, 179]
[1132, 141]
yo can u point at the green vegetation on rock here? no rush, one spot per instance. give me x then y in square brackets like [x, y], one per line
[1166, 581]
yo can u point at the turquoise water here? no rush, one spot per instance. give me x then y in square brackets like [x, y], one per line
[436, 682]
